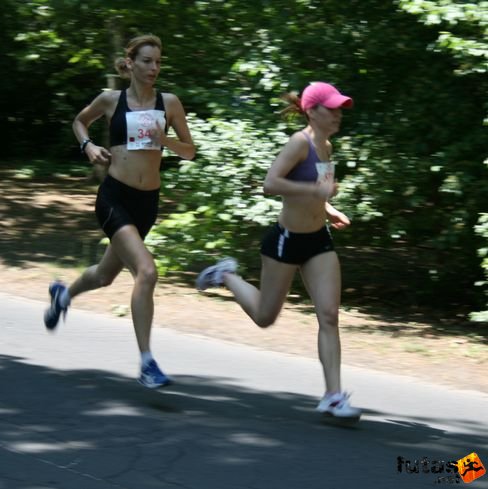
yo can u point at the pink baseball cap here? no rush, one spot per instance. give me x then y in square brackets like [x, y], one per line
[324, 94]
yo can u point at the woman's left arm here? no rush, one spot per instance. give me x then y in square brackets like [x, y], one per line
[182, 145]
[337, 219]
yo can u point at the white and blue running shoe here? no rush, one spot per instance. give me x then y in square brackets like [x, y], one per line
[54, 311]
[213, 276]
[152, 376]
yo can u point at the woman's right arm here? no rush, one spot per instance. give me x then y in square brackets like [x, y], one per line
[276, 183]
[84, 119]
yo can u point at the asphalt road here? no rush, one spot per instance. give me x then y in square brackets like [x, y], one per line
[73, 417]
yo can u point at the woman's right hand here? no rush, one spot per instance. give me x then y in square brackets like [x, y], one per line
[326, 189]
[98, 155]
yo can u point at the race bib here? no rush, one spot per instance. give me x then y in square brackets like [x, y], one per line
[140, 125]
[325, 170]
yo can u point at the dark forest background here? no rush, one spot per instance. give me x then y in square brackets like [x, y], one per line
[412, 155]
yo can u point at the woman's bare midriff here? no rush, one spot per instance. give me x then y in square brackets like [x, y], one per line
[302, 214]
[138, 169]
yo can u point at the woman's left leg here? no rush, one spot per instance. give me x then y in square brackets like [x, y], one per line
[322, 278]
[130, 248]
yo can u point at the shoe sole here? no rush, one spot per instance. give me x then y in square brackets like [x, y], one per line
[200, 283]
[48, 325]
[54, 298]
[51, 325]
[344, 421]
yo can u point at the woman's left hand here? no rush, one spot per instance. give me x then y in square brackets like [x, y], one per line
[337, 219]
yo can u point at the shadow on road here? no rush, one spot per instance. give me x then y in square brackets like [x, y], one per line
[94, 429]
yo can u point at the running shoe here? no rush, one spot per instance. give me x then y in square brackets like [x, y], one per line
[54, 311]
[338, 405]
[213, 276]
[152, 376]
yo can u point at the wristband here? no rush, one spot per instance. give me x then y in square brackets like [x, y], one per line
[83, 145]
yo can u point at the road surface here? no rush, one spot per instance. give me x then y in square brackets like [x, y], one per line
[73, 417]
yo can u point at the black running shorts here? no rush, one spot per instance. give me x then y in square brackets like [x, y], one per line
[119, 204]
[295, 248]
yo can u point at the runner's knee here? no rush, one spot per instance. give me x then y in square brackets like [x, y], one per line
[148, 275]
[328, 317]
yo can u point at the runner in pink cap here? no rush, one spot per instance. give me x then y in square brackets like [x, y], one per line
[301, 240]
[320, 93]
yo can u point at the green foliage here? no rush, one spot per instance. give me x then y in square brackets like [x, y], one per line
[465, 34]
[219, 205]
[410, 155]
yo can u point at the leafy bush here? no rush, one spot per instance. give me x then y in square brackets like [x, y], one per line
[217, 202]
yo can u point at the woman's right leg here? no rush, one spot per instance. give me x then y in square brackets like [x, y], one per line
[99, 275]
[263, 305]
[93, 277]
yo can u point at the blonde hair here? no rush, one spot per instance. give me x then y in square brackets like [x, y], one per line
[132, 50]
[294, 107]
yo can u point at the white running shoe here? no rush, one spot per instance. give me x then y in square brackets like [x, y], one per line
[338, 405]
[213, 276]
